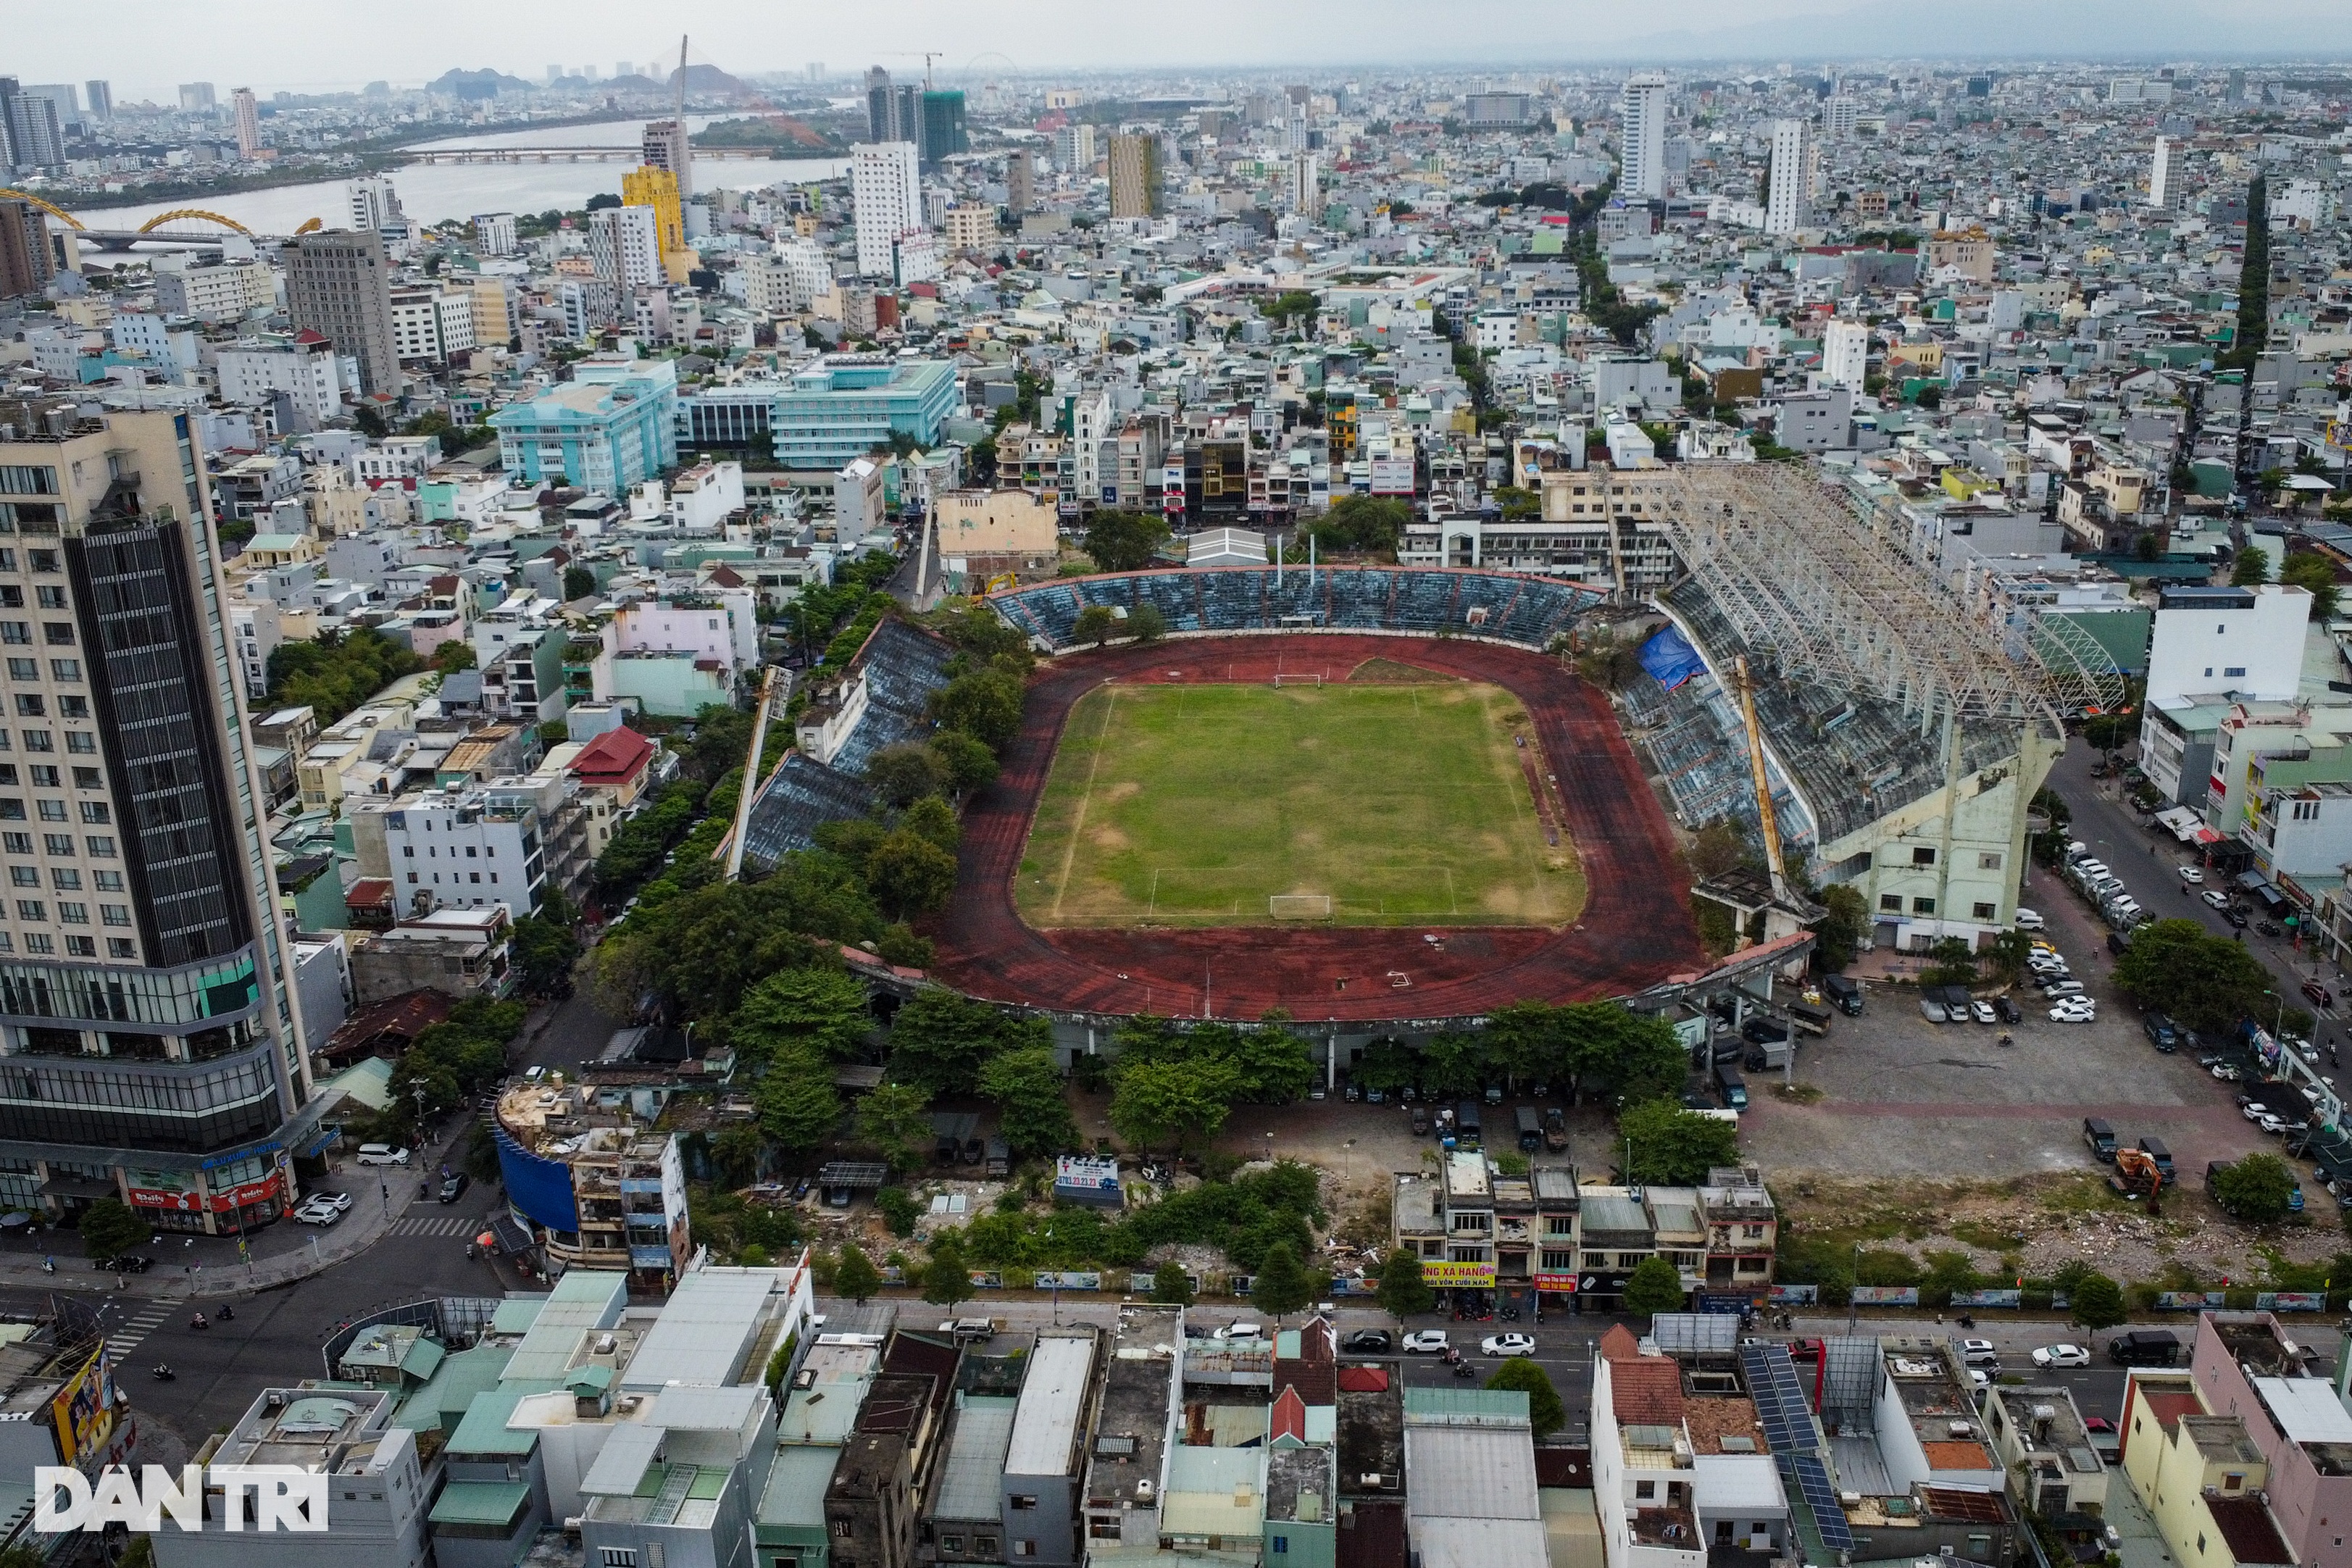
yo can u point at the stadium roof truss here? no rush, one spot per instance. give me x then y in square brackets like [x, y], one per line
[1809, 580]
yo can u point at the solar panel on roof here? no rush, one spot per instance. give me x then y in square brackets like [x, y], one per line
[1811, 1478]
[1780, 1400]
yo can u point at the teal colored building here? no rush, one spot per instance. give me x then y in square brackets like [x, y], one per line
[613, 425]
[845, 405]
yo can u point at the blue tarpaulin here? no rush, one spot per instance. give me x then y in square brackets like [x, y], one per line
[1670, 659]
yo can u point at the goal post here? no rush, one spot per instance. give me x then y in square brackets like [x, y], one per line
[1298, 906]
[1280, 680]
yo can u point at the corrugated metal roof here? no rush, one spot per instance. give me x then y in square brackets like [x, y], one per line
[690, 1409]
[1456, 1472]
[584, 1301]
[794, 1495]
[1052, 1397]
[970, 1481]
[703, 1330]
[485, 1430]
[480, 1502]
[622, 1463]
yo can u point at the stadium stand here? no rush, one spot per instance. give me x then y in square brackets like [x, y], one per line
[1501, 606]
[902, 667]
[1855, 760]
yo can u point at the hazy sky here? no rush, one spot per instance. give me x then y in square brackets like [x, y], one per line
[147, 47]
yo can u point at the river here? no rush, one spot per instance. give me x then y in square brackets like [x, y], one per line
[445, 191]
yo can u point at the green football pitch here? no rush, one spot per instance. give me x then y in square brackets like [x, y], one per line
[1364, 805]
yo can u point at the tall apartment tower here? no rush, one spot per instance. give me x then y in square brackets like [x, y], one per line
[26, 264]
[338, 284]
[32, 135]
[1074, 149]
[2160, 180]
[197, 98]
[666, 148]
[1790, 204]
[149, 1046]
[1020, 182]
[1841, 114]
[882, 109]
[373, 203]
[249, 122]
[100, 95]
[1641, 118]
[885, 185]
[1845, 355]
[1135, 176]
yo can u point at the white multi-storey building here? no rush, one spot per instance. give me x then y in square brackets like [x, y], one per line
[1845, 355]
[494, 234]
[373, 204]
[1791, 204]
[304, 369]
[461, 849]
[886, 183]
[625, 245]
[2160, 191]
[429, 324]
[1641, 114]
[212, 291]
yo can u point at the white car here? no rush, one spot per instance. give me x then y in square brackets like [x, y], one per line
[2078, 1014]
[2224, 1072]
[2220, 900]
[1242, 1330]
[381, 1154]
[2273, 1125]
[1507, 1344]
[318, 1213]
[1982, 1012]
[2255, 1110]
[2193, 875]
[339, 1202]
[2062, 1355]
[2029, 919]
[1425, 1341]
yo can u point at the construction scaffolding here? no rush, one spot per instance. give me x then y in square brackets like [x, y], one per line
[1820, 586]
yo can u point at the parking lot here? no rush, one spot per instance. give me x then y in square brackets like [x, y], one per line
[1903, 1097]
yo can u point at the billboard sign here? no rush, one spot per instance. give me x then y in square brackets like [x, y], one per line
[1442, 1274]
[83, 1410]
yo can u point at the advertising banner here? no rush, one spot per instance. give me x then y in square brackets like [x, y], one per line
[1795, 1295]
[1987, 1297]
[1441, 1274]
[84, 1410]
[1886, 1295]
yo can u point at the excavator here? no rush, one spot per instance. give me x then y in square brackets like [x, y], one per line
[2135, 1176]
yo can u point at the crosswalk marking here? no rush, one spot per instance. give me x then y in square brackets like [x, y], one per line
[435, 1224]
[126, 1339]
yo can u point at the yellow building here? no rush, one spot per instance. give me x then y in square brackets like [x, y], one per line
[648, 187]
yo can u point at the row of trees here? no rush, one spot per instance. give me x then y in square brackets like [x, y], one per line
[2207, 983]
[1585, 1048]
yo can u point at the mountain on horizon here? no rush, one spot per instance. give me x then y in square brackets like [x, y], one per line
[476, 84]
[2013, 29]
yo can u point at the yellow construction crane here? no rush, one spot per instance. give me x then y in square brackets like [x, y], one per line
[926, 56]
[1764, 818]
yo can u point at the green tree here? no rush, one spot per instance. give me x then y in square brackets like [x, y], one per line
[578, 583]
[1654, 1288]
[904, 774]
[454, 656]
[110, 1230]
[910, 876]
[735, 1155]
[855, 1278]
[2309, 570]
[1271, 1065]
[1839, 935]
[900, 1210]
[1402, 1294]
[896, 1117]
[1124, 541]
[941, 1040]
[1170, 1286]
[1282, 1285]
[1145, 624]
[1452, 1065]
[933, 820]
[1674, 1147]
[2095, 1302]
[947, 1279]
[1178, 1103]
[1096, 624]
[798, 1109]
[2251, 569]
[2256, 1189]
[965, 763]
[1364, 525]
[2177, 967]
[544, 952]
[984, 704]
[335, 672]
[814, 1006]
[1033, 1112]
[1545, 1414]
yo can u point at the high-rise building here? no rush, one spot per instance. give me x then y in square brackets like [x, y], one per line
[146, 1018]
[197, 98]
[1840, 115]
[67, 99]
[1074, 149]
[944, 133]
[1642, 124]
[655, 189]
[26, 264]
[885, 185]
[1791, 199]
[1020, 182]
[36, 135]
[2160, 182]
[374, 205]
[249, 122]
[1845, 355]
[494, 234]
[1302, 184]
[101, 96]
[623, 67]
[667, 147]
[338, 283]
[1135, 176]
[625, 245]
[881, 107]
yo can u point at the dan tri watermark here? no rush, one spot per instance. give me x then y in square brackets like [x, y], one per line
[257, 1497]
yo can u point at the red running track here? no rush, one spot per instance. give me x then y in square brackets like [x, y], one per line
[1636, 929]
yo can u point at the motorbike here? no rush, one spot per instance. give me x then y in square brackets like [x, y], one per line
[228, 1312]
[1463, 1369]
[1967, 1321]
[2006, 1038]
[164, 1375]
[1510, 1314]
[200, 1321]
[2268, 928]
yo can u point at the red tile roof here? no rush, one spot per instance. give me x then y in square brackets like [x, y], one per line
[2247, 1527]
[613, 758]
[1364, 1380]
[1646, 1391]
[1618, 1344]
[1289, 1418]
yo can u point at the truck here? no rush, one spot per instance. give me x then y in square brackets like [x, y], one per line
[1555, 1129]
[2144, 1347]
[1448, 1133]
[1733, 1088]
[1769, 1057]
[1530, 1129]
[1844, 994]
[1465, 1126]
[1813, 1020]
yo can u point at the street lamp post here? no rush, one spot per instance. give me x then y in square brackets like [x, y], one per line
[1853, 1303]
